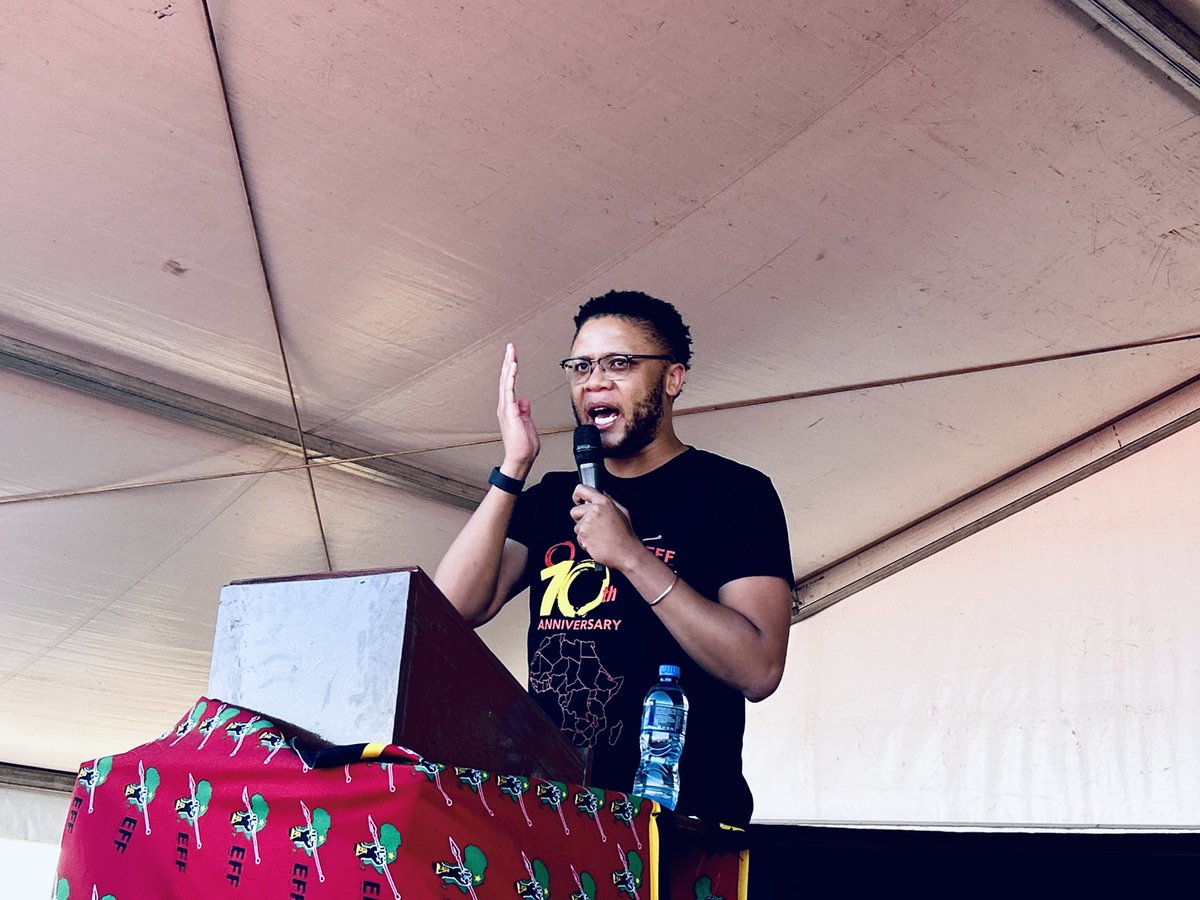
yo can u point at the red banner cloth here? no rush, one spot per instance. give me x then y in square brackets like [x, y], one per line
[225, 806]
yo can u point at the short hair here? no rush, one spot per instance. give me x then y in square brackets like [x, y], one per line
[658, 317]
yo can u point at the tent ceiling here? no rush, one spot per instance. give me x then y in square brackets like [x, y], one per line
[834, 194]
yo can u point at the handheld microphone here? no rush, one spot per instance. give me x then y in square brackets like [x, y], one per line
[589, 456]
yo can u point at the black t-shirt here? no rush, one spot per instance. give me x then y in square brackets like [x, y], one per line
[595, 645]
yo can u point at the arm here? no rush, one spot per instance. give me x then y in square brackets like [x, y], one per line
[740, 639]
[482, 566]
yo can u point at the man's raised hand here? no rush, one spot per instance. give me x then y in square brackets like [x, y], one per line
[521, 441]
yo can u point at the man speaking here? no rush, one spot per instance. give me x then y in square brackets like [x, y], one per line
[681, 557]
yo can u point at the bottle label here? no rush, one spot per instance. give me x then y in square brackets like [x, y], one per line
[665, 717]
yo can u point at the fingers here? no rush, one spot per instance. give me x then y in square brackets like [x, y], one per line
[515, 416]
[602, 529]
[508, 376]
[587, 500]
[585, 494]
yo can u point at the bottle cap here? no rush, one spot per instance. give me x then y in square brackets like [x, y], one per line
[668, 671]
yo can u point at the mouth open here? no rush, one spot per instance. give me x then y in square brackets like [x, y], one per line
[603, 417]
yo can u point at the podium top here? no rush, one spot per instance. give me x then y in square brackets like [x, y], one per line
[380, 655]
[316, 576]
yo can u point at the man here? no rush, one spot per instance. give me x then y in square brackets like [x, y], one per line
[694, 566]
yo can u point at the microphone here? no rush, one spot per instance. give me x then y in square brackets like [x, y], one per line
[589, 456]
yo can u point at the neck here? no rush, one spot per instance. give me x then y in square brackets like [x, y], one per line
[665, 447]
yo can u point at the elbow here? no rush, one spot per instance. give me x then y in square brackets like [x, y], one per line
[757, 694]
[449, 590]
[767, 674]
[765, 684]
[475, 612]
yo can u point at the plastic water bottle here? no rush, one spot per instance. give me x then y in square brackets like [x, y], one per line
[664, 721]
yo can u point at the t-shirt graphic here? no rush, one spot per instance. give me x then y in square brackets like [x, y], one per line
[594, 644]
[571, 671]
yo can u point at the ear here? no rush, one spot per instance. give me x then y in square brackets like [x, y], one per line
[675, 376]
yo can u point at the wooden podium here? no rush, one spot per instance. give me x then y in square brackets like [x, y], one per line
[381, 656]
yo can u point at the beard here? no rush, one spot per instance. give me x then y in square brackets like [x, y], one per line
[643, 424]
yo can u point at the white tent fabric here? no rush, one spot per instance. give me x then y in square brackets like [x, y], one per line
[1042, 672]
[842, 200]
[32, 815]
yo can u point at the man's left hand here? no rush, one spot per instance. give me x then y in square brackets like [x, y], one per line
[603, 529]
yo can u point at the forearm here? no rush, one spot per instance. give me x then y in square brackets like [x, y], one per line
[470, 572]
[479, 570]
[724, 641]
[739, 637]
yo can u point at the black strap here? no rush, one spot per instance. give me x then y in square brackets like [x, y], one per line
[502, 481]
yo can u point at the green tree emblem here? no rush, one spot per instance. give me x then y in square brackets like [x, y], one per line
[140, 794]
[474, 779]
[703, 889]
[552, 794]
[62, 890]
[625, 811]
[251, 820]
[515, 787]
[91, 777]
[223, 714]
[433, 771]
[238, 731]
[188, 725]
[628, 878]
[466, 872]
[195, 805]
[380, 851]
[586, 884]
[273, 742]
[312, 834]
[589, 802]
[537, 886]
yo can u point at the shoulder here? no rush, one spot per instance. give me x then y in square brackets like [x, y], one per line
[713, 465]
[553, 480]
[553, 484]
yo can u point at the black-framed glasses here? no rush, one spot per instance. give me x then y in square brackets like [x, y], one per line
[615, 365]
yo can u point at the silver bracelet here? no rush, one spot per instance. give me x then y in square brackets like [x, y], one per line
[670, 587]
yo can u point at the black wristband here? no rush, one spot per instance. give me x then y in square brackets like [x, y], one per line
[502, 481]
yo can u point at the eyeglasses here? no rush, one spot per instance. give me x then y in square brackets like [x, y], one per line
[616, 365]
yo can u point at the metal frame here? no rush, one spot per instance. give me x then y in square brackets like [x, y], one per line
[1154, 33]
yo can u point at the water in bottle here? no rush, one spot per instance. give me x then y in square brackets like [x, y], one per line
[664, 720]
